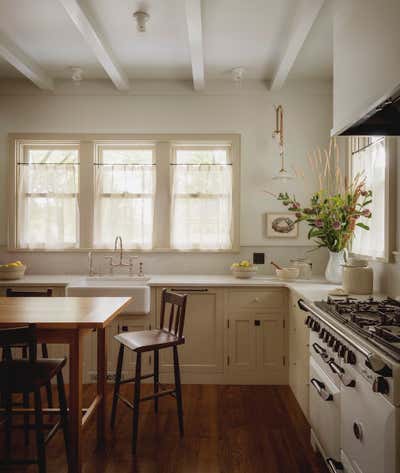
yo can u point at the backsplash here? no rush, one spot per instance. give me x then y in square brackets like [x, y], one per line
[165, 263]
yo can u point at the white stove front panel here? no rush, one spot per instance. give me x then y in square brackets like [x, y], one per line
[368, 429]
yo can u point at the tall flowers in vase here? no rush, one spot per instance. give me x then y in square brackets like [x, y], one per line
[334, 211]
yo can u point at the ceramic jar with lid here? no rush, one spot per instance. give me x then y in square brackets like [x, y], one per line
[358, 277]
[305, 267]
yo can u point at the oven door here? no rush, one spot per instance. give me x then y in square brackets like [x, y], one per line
[325, 411]
[368, 429]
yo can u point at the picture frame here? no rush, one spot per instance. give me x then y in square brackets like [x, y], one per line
[281, 225]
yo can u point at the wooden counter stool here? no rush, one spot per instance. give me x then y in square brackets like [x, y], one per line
[169, 335]
[26, 376]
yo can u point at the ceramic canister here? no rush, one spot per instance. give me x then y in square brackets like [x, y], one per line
[358, 279]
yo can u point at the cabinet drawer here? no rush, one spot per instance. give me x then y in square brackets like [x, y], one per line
[256, 299]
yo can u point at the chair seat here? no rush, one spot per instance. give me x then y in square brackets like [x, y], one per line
[24, 376]
[148, 340]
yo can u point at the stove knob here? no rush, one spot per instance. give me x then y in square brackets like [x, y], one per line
[332, 341]
[327, 337]
[336, 346]
[322, 333]
[380, 385]
[308, 320]
[350, 357]
[342, 351]
[316, 326]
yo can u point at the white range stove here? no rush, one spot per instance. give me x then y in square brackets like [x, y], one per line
[355, 383]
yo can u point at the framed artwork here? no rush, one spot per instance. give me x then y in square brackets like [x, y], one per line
[281, 225]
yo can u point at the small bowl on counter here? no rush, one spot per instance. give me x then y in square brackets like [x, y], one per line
[243, 270]
[287, 274]
[12, 271]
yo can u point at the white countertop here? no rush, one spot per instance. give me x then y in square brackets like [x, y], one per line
[315, 289]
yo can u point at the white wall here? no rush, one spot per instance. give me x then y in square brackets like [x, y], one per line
[366, 65]
[154, 107]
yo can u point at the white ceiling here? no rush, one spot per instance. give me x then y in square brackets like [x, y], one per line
[251, 34]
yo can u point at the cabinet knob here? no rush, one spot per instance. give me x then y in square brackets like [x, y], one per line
[257, 323]
[256, 299]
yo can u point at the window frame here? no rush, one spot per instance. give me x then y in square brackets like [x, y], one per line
[390, 197]
[163, 153]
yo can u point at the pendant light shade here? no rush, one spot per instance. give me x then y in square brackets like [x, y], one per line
[283, 175]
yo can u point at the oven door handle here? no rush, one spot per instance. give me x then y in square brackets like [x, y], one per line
[334, 465]
[320, 388]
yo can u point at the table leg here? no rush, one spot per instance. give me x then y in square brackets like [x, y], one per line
[75, 400]
[101, 384]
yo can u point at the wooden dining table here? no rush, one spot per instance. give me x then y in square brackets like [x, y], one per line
[67, 320]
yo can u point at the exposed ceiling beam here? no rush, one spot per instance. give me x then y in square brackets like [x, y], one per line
[195, 33]
[24, 64]
[87, 27]
[305, 16]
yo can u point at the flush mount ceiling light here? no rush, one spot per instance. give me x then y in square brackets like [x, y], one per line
[283, 174]
[141, 18]
[76, 75]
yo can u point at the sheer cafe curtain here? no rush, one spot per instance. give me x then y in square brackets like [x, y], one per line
[124, 205]
[372, 161]
[201, 213]
[48, 214]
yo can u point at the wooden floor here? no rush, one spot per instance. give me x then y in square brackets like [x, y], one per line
[229, 429]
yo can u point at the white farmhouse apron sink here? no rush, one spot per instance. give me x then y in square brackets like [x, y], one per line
[114, 287]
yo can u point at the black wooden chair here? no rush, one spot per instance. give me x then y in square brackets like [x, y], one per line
[167, 336]
[45, 352]
[28, 376]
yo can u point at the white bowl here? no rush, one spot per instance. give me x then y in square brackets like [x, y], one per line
[244, 273]
[12, 272]
[286, 274]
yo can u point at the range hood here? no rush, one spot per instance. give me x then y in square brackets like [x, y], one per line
[382, 120]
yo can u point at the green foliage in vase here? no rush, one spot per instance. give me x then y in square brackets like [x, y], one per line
[333, 218]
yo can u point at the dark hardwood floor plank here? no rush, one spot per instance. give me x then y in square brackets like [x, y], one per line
[228, 429]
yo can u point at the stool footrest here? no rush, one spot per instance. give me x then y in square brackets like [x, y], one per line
[159, 394]
[132, 380]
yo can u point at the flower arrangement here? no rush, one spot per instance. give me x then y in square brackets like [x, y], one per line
[336, 209]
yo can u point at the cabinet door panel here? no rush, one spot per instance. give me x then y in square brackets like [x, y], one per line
[203, 331]
[269, 341]
[241, 342]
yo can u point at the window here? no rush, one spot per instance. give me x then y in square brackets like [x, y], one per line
[47, 198]
[124, 196]
[201, 208]
[160, 192]
[370, 157]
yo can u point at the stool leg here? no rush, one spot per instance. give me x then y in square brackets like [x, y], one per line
[63, 413]
[117, 385]
[156, 378]
[7, 403]
[45, 354]
[136, 401]
[25, 403]
[40, 445]
[178, 389]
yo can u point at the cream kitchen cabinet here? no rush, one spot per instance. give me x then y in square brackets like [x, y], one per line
[298, 354]
[202, 356]
[255, 321]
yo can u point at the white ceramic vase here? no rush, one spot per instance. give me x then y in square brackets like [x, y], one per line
[334, 268]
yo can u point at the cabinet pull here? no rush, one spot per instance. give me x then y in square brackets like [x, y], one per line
[186, 289]
[124, 328]
[257, 323]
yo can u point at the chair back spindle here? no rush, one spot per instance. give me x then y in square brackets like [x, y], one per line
[176, 319]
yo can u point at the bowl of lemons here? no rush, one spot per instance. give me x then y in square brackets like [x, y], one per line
[14, 270]
[244, 270]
